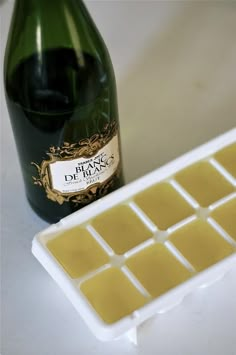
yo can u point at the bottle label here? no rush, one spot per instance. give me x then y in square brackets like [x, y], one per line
[81, 172]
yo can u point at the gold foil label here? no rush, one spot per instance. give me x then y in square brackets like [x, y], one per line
[80, 172]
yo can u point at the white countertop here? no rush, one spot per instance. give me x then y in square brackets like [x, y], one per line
[176, 78]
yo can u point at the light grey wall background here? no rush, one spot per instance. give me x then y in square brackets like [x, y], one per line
[176, 78]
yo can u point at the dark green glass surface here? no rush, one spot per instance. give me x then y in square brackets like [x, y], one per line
[59, 86]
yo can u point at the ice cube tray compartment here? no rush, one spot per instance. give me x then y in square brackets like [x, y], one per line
[201, 244]
[163, 205]
[225, 215]
[163, 234]
[157, 269]
[204, 183]
[105, 292]
[226, 157]
[121, 228]
[77, 252]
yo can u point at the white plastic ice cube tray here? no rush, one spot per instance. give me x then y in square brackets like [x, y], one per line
[200, 275]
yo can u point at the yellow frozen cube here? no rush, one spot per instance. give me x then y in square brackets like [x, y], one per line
[225, 216]
[112, 295]
[121, 228]
[157, 269]
[77, 251]
[163, 205]
[227, 158]
[200, 244]
[204, 183]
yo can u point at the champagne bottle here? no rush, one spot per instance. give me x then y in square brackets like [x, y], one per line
[61, 97]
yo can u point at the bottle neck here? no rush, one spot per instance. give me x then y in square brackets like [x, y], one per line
[41, 25]
[52, 23]
[48, 3]
[50, 6]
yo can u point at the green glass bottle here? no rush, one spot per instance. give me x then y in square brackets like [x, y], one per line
[61, 97]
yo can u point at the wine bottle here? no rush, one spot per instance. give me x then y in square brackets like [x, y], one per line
[61, 96]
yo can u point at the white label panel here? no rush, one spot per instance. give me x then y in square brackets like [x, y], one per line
[75, 175]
